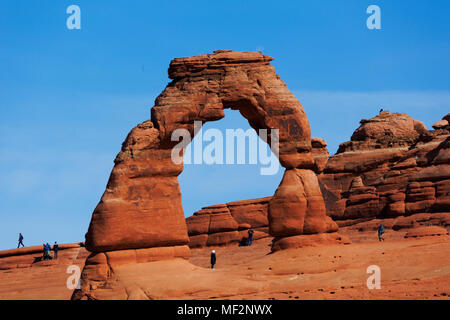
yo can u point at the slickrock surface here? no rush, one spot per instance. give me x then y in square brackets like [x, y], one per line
[426, 232]
[24, 276]
[391, 167]
[315, 272]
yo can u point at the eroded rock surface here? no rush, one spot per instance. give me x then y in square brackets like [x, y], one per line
[228, 223]
[391, 167]
[24, 275]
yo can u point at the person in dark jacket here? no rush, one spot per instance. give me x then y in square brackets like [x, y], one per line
[20, 241]
[44, 248]
[213, 259]
[55, 250]
[250, 237]
[381, 232]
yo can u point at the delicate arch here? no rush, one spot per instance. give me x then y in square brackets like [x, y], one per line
[141, 207]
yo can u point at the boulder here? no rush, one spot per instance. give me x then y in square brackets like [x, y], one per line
[440, 124]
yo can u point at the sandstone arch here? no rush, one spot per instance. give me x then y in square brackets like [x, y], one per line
[141, 207]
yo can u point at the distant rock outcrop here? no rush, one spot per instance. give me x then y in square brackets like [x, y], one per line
[443, 124]
[391, 167]
[320, 154]
[228, 223]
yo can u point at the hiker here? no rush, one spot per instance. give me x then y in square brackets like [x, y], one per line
[55, 250]
[20, 241]
[380, 232]
[213, 259]
[250, 237]
[44, 248]
[48, 248]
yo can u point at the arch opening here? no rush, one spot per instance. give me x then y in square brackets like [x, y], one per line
[208, 184]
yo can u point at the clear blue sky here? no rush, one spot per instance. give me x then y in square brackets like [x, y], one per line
[68, 98]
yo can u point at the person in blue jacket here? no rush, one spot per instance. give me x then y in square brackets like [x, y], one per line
[48, 248]
[381, 232]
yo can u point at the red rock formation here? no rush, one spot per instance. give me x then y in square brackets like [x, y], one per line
[300, 196]
[426, 232]
[228, 223]
[143, 186]
[386, 130]
[141, 207]
[443, 124]
[251, 212]
[391, 167]
[320, 154]
[361, 200]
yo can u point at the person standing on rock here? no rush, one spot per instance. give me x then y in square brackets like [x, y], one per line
[20, 241]
[380, 232]
[44, 247]
[55, 250]
[48, 248]
[250, 237]
[213, 259]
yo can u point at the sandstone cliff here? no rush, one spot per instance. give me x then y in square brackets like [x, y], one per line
[392, 166]
[228, 223]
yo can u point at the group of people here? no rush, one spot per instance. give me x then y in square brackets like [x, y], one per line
[47, 248]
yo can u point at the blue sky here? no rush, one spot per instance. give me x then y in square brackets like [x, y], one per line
[68, 98]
